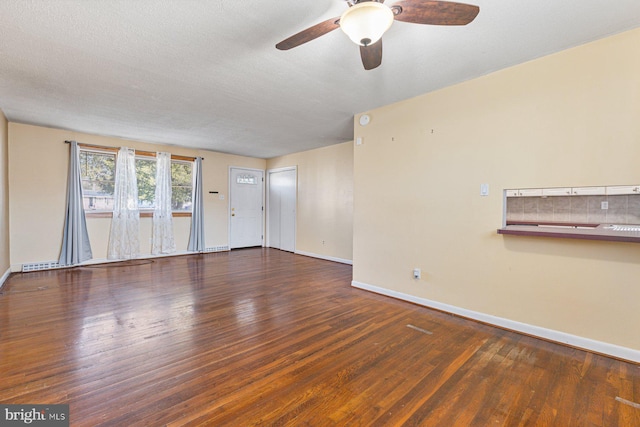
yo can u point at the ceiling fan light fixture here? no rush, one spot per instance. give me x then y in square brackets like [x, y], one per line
[366, 22]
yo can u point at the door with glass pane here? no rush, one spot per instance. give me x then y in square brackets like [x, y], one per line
[246, 195]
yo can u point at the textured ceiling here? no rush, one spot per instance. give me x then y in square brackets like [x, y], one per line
[206, 74]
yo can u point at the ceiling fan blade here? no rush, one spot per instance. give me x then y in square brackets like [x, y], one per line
[309, 34]
[434, 12]
[371, 55]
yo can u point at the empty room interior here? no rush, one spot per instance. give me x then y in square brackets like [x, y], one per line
[249, 213]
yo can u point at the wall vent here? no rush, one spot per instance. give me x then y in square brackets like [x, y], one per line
[216, 249]
[36, 266]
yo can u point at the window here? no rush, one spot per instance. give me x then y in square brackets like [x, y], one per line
[97, 171]
[181, 184]
[246, 179]
[146, 177]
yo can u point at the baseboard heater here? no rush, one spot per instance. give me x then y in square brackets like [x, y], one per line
[36, 266]
[217, 249]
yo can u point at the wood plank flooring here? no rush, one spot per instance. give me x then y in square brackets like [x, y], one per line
[268, 338]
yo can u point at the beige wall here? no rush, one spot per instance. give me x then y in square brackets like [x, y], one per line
[38, 161]
[325, 200]
[4, 196]
[569, 119]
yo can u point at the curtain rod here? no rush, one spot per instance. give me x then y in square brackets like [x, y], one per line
[144, 153]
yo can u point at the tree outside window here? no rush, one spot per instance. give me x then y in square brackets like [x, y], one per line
[98, 181]
[181, 186]
[146, 176]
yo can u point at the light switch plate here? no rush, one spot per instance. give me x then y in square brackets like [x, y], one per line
[484, 189]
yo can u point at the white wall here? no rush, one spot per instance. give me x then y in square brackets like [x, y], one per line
[4, 199]
[569, 119]
[325, 200]
[38, 163]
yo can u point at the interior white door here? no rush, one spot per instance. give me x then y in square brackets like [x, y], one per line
[282, 209]
[246, 195]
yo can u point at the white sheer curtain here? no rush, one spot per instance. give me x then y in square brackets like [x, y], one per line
[124, 240]
[162, 241]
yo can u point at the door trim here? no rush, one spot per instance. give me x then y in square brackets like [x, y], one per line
[229, 202]
[267, 188]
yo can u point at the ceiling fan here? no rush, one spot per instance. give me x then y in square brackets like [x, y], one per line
[367, 20]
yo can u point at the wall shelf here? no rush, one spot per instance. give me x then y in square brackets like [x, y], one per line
[603, 232]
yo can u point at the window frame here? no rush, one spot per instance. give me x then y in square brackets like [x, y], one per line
[145, 155]
[179, 160]
[146, 211]
[99, 213]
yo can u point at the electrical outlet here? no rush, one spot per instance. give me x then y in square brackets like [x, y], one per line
[604, 205]
[417, 273]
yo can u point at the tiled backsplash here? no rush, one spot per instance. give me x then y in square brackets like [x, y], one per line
[623, 209]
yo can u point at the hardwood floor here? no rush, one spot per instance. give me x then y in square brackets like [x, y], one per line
[264, 337]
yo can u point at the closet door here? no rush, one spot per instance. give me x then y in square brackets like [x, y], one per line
[281, 204]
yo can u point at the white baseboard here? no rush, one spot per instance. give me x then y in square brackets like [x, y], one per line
[537, 331]
[4, 277]
[325, 257]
